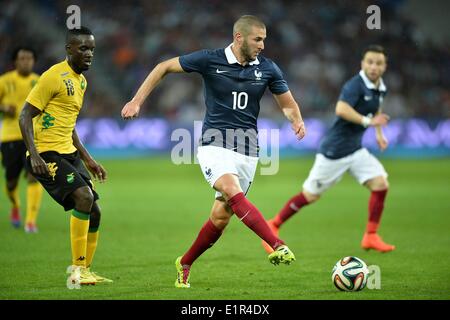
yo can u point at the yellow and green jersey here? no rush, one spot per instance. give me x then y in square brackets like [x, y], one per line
[14, 89]
[59, 95]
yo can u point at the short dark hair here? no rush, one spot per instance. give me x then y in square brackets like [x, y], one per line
[244, 23]
[374, 48]
[76, 32]
[16, 51]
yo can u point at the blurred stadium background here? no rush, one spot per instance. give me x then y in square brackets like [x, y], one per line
[318, 45]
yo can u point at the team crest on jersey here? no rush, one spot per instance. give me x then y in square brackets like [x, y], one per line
[47, 121]
[258, 74]
[71, 177]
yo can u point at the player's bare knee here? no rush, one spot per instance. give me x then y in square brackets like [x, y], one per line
[230, 190]
[87, 197]
[83, 198]
[228, 185]
[378, 184]
[384, 185]
[311, 197]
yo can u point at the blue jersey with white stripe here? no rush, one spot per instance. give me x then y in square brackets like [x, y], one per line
[345, 137]
[232, 94]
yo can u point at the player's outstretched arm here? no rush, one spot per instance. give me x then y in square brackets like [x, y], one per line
[346, 112]
[38, 164]
[95, 168]
[132, 108]
[290, 108]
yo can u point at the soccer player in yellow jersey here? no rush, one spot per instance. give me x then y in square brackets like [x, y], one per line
[56, 154]
[14, 88]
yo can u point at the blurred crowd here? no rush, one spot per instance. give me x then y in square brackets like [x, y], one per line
[317, 44]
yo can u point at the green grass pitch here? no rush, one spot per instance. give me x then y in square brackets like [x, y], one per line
[153, 210]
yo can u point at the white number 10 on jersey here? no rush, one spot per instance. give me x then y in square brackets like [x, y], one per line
[240, 100]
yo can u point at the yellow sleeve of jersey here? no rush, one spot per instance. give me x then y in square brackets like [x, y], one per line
[44, 90]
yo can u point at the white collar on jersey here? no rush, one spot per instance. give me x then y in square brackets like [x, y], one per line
[231, 58]
[369, 84]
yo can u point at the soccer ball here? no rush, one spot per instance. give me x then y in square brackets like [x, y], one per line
[350, 274]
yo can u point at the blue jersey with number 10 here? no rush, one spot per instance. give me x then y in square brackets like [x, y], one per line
[233, 91]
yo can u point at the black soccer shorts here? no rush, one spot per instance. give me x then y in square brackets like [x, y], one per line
[13, 158]
[67, 174]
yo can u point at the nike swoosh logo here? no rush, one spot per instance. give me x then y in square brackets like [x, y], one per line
[246, 214]
[221, 71]
[367, 98]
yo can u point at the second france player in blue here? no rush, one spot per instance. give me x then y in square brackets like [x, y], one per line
[235, 79]
[341, 150]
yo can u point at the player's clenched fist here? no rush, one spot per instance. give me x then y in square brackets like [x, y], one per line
[130, 110]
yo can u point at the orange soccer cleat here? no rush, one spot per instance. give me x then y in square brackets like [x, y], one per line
[275, 231]
[374, 241]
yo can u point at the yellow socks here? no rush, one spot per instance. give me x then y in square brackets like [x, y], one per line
[92, 239]
[34, 197]
[79, 226]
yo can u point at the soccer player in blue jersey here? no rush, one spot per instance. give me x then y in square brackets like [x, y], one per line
[358, 107]
[235, 79]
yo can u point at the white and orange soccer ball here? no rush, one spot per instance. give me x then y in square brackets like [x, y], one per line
[350, 274]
